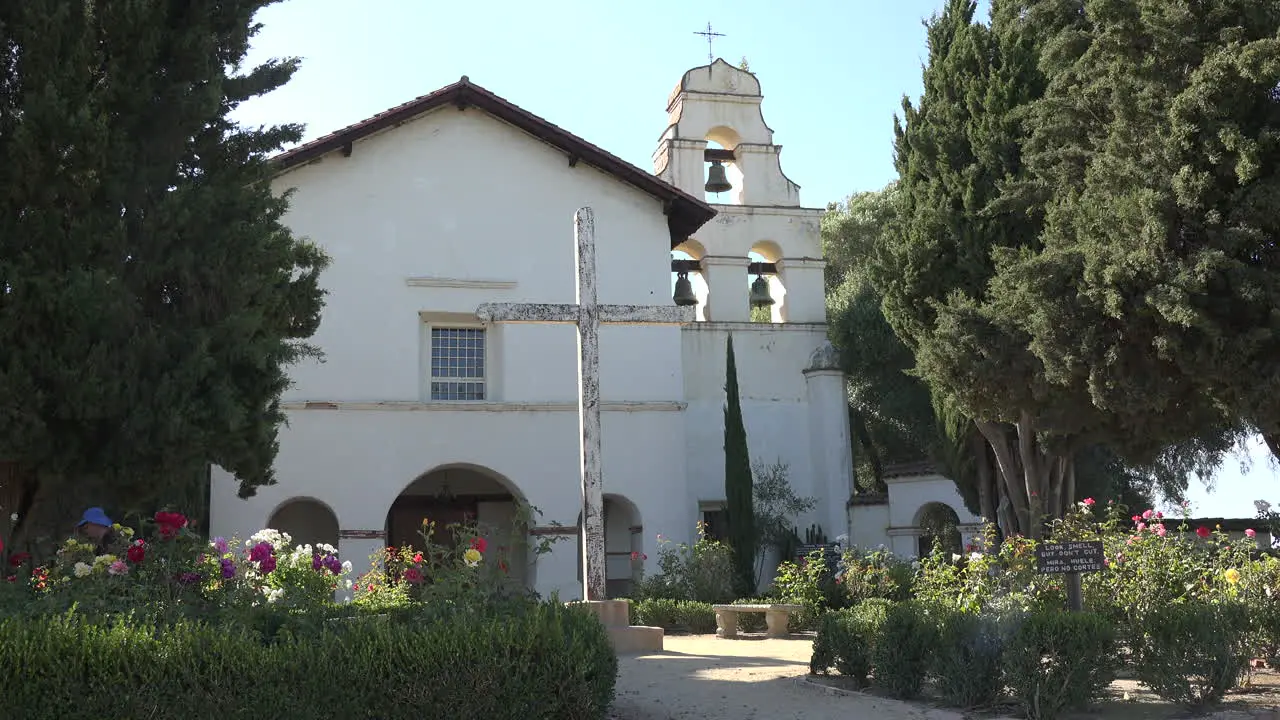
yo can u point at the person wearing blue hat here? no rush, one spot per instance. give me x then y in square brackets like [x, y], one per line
[96, 526]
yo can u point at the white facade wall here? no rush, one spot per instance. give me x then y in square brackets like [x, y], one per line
[427, 220]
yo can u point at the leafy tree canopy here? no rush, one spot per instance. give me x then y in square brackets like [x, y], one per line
[150, 296]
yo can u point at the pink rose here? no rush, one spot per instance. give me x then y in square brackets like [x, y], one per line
[1146, 514]
[1251, 533]
[1088, 502]
[1160, 530]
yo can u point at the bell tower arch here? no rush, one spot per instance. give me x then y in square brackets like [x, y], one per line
[715, 120]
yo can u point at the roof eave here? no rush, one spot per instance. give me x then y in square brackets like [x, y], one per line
[685, 213]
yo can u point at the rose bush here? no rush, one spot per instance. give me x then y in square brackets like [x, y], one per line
[471, 574]
[701, 572]
[1152, 566]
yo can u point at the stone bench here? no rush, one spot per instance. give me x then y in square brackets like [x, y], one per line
[776, 617]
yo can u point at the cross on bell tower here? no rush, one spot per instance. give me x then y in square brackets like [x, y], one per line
[710, 35]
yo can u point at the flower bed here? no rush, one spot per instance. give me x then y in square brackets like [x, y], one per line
[1182, 610]
[165, 623]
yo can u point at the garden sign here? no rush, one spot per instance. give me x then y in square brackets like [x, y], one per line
[1070, 559]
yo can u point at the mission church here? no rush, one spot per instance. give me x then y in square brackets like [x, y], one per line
[424, 406]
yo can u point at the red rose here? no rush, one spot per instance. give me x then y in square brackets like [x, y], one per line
[417, 557]
[17, 559]
[479, 544]
[1202, 531]
[136, 552]
[170, 523]
[412, 576]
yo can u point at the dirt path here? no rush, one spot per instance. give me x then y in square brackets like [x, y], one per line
[707, 678]
[701, 677]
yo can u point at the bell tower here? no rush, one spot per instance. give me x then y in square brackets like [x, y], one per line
[718, 146]
[755, 273]
[720, 104]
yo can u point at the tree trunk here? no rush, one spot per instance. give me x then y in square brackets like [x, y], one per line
[858, 426]
[982, 470]
[1071, 479]
[1272, 438]
[1010, 473]
[1057, 482]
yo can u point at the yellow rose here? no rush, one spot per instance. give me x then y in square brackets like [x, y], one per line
[1232, 575]
[472, 556]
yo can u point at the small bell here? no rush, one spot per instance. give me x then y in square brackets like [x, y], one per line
[717, 181]
[683, 296]
[760, 296]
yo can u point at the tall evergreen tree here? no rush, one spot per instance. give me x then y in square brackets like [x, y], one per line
[958, 263]
[1154, 150]
[738, 482]
[150, 296]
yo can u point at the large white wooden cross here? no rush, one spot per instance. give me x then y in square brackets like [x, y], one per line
[588, 315]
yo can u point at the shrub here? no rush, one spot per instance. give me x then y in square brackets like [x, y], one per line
[1193, 653]
[846, 640]
[967, 661]
[1057, 660]
[1260, 590]
[988, 578]
[702, 572]
[876, 574]
[549, 662]
[674, 615]
[809, 584]
[902, 647]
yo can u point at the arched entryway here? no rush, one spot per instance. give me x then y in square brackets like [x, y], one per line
[937, 522]
[456, 494]
[623, 546]
[307, 521]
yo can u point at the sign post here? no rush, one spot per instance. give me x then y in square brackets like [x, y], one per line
[1071, 559]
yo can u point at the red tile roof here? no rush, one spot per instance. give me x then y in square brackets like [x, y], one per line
[685, 213]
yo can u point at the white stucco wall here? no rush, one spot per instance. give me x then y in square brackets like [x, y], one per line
[908, 497]
[460, 195]
[429, 219]
[770, 362]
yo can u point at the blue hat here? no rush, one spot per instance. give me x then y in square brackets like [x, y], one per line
[96, 516]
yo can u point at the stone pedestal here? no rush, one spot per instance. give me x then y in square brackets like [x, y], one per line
[626, 638]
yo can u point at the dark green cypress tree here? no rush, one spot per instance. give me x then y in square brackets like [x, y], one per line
[150, 297]
[739, 510]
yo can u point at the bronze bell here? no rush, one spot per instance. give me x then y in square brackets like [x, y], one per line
[760, 296]
[717, 181]
[683, 296]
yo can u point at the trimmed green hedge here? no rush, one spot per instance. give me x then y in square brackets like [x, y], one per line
[1049, 661]
[698, 618]
[549, 662]
[679, 616]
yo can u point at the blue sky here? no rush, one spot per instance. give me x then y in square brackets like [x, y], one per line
[833, 74]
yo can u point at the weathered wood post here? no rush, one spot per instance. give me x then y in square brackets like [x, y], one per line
[588, 315]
